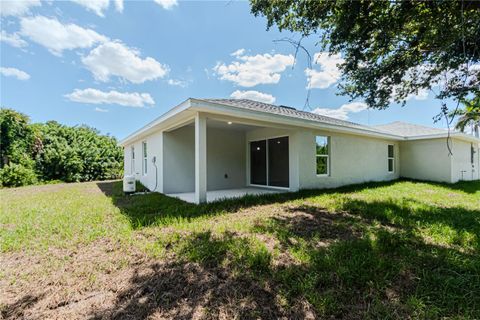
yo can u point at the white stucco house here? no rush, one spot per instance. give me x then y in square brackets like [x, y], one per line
[206, 149]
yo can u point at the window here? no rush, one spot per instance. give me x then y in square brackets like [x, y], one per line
[472, 154]
[391, 158]
[144, 151]
[323, 150]
[132, 169]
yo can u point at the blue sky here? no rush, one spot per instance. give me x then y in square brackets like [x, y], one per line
[117, 65]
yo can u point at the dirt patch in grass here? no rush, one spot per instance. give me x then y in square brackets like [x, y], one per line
[63, 283]
[104, 281]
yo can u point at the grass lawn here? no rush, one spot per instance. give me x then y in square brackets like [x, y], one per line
[381, 250]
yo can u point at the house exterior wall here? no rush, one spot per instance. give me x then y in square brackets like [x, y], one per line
[225, 156]
[353, 159]
[179, 160]
[462, 161]
[426, 160]
[154, 147]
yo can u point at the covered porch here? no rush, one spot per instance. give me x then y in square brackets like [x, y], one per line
[218, 195]
[210, 158]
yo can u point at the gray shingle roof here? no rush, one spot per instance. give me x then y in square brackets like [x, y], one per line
[409, 129]
[289, 112]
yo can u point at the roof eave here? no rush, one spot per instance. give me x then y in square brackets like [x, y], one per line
[457, 135]
[157, 121]
[207, 106]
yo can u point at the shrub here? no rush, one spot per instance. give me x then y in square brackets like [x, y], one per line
[16, 175]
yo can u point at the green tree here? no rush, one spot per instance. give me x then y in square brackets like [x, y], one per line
[18, 140]
[51, 151]
[469, 116]
[392, 49]
[78, 154]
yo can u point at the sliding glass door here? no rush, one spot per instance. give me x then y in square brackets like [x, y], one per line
[269, 162]
[258, 162]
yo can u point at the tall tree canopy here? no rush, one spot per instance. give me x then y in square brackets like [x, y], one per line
[392, 49]
[51, 151]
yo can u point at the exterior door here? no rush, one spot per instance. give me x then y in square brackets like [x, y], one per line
[269, 164]
[278, 162]
[258, 162]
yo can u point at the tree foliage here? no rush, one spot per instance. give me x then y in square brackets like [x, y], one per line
[469, 116]
[52, 151]
[392, 49]
[17, 137]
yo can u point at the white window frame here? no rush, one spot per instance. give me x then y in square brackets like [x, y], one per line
[132, 157]
[323, 156]
[144, 158]
[391, 158]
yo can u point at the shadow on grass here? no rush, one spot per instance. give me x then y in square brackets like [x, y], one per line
[17, 309]
[186, 291]
[462, 224]
[158, 209]
[464, 186]
[359, 270]
[366, 259]
[209, 279]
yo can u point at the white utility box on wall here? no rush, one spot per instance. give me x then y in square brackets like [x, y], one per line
[129, 184]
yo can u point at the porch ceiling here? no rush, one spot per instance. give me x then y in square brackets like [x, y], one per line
[228, 125]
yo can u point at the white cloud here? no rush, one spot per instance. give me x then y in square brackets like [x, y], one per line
[14, 72]
[119, 5]
[238, 53]
[96, 6]
[167, 4]
[57, 37]
[343, 111]
[94, 96]
[422, 94]
[328, 74]
[253, 95]
[12, 39]
[249, 71]
[178, 83]
[17, 7]
[116, 59]
[100, 109]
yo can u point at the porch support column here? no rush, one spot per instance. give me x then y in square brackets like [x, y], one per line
[200, 158]
[159, 164]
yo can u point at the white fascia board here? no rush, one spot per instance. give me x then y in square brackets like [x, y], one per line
[148, 127]
[204, 106]
[456, 135]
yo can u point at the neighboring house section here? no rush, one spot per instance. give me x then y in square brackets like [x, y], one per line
[204, 149]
